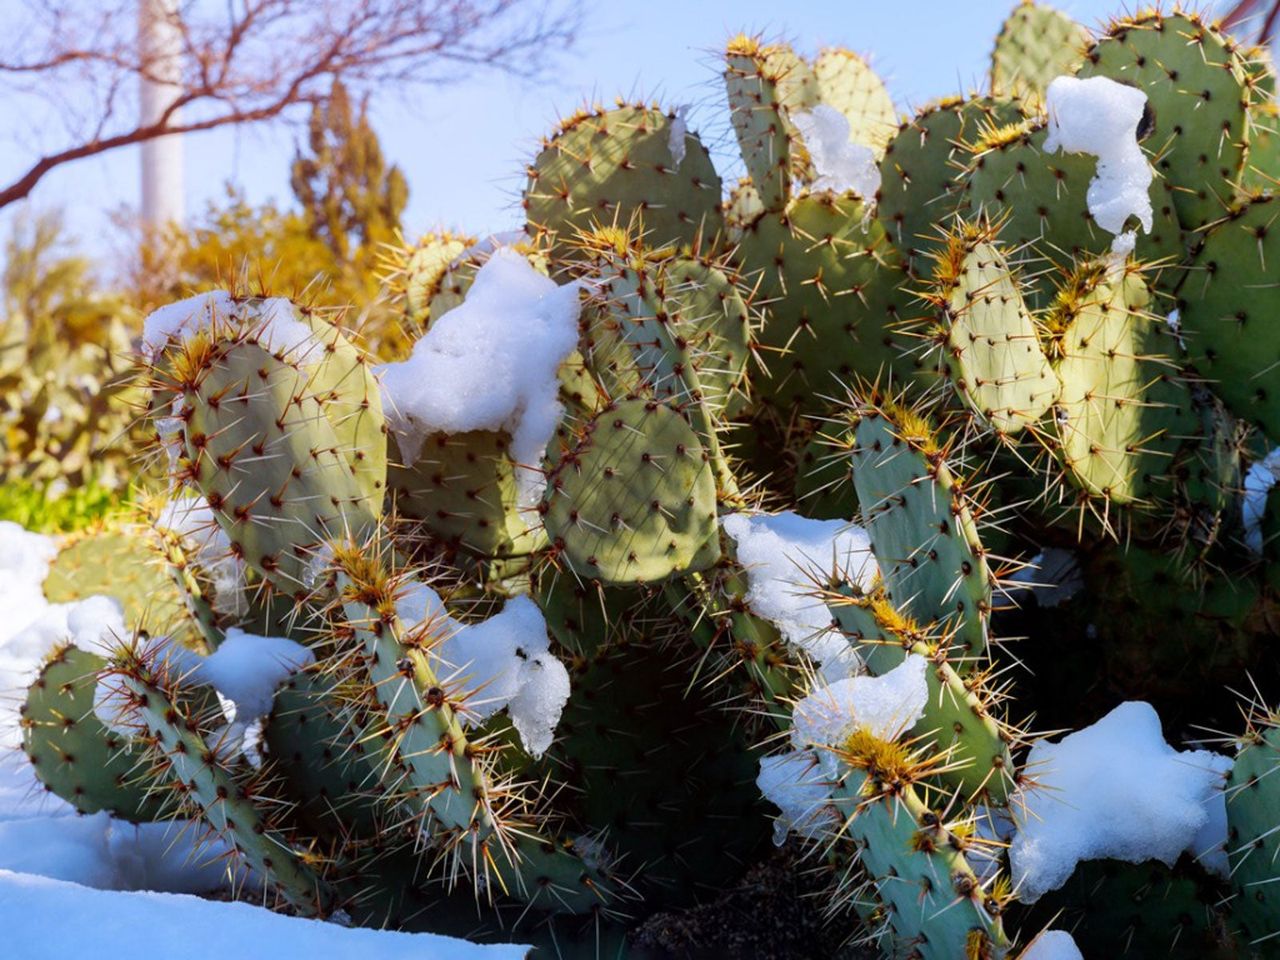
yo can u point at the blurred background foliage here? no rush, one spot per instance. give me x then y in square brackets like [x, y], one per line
[69, 445]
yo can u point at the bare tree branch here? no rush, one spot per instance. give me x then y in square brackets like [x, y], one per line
[247, 61]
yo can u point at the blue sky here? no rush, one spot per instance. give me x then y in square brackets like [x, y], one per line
[463, 147]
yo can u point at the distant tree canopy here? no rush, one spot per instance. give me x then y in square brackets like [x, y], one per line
[345, 188]
[245, 62]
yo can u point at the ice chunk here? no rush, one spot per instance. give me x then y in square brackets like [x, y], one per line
[787, 557]
[1113, 790]
[490, 364]
[273, 320]
[1052, 945]
[840, 164]
[1099, 116]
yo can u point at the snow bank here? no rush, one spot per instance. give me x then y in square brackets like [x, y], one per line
[1114, 790]
[840, 164]
[1100, 116]
[505, 661]
[799, 783]
[490, 364]
[1052, 945]
[787, 557]
[53, 920]
[273, 319]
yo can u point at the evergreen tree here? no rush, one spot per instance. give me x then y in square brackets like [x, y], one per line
[350, 198]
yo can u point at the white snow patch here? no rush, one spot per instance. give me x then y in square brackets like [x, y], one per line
[841, 165]
[502, 662]
[679, 131]
[786, 557]
[798, 786]
[1052, 945]
[1258, 481]
[1115, 790]
[52, 918]
[885, 706]
[1099, 116]
[1053, 575]
[799, 782]
[490, 364]
[273, 320]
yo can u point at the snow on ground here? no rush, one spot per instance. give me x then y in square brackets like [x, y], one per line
[46, 919]
[505, 661]
[1100, 116]
[490, 364]
[1115, 790]
[1052, 945]
[65, 878]
[787, 557]
[840, 164]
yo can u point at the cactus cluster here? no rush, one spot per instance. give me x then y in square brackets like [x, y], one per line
[1036, 434]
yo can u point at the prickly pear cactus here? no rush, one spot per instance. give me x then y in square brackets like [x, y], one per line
[846, 498]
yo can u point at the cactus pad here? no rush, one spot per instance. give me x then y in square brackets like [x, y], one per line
[635, 499]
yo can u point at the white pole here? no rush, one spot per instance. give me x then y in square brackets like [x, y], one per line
[160, 44]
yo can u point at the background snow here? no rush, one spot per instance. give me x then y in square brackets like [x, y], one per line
[49, 919]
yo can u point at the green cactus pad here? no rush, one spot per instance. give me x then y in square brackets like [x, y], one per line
[1036, 44]
[846, 81]
[1123, 414]
[991, 354]
[313, 742]
[269, 462]
[754, 78]
[830, 279]
[224, 799]
[824, 487]
[463, 489]
[957, 722]
[936, 906]
[922, 531]
[421, 272]
[604, 167]
[1197, 85]
[679, 797]
[1138, 910]
[1253, 843]
[74, 755]
[677, 325]
[122, 562]
[920, 174]
[342, 381]
[1229, 337]
[635, 499]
